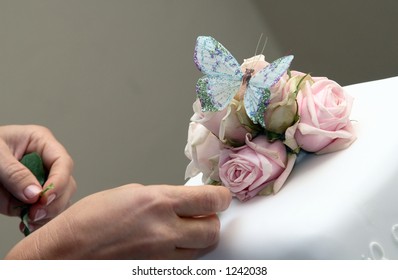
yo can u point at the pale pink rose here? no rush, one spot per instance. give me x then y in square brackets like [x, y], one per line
[203, 149]
[230, 125]
[249, 169]
[324, 110]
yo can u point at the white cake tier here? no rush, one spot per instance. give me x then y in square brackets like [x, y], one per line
[342, 205]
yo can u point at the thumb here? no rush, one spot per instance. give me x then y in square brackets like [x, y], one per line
[18, 180]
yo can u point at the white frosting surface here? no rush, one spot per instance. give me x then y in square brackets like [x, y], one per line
[342, 205]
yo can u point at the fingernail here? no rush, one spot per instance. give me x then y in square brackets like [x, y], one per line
[50, 198]
[40, 214]
[32, 191]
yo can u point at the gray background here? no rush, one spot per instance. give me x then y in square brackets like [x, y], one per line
[115, 80]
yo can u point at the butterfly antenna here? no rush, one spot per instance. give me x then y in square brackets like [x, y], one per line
[258, 44]
[265, 43]
[262, 50]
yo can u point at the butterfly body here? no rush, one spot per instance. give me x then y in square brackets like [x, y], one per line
[223, 78]
[245, 82]
[247, 76]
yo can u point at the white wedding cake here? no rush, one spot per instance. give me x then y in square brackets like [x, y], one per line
[342, 205]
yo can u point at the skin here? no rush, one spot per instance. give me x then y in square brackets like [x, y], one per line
[15, 141]
[127, 222]
[132, 222]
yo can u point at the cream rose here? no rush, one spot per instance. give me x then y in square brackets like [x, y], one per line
[230, 125]
[203, 149]
[256, 63]
[282, 110]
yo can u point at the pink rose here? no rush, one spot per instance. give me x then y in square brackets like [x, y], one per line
[255, 167]
[324, 110]
[203, 149]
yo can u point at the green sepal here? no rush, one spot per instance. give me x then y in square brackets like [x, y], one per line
[273, 136]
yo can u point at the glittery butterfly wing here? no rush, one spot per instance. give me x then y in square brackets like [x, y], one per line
[257, 93]
[223, 75]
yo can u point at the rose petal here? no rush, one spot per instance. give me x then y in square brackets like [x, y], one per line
[280, 181]
[341, 143]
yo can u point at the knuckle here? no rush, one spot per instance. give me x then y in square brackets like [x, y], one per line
[213, 233]
[37, 131]
[16, 173]
[40, 129]
[209, 201]
[73, 185]
[70, 162]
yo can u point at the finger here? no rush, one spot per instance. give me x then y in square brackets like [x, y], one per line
[9, 205]
[201, 200]
[16, 178]
[198, 233]
[190, 254]
[38, 217]
[60, 166]
[56, 159]
[62, 184]
[52, 203]
[184, 254]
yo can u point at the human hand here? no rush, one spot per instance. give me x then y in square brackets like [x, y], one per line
[18, 186]
[133, 222]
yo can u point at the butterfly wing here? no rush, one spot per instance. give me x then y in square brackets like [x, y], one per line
[215, 92]
[212, 58]
[257, 94]
[222, 74]
[256, 101]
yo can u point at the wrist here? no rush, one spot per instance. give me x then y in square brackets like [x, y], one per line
[52, 241]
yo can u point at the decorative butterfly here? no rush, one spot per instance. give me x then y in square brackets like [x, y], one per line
[223, 77]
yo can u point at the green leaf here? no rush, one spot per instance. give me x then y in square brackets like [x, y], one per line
[25, 220]
[35, 164]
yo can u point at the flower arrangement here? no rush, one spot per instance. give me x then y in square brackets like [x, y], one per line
[255, 155]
